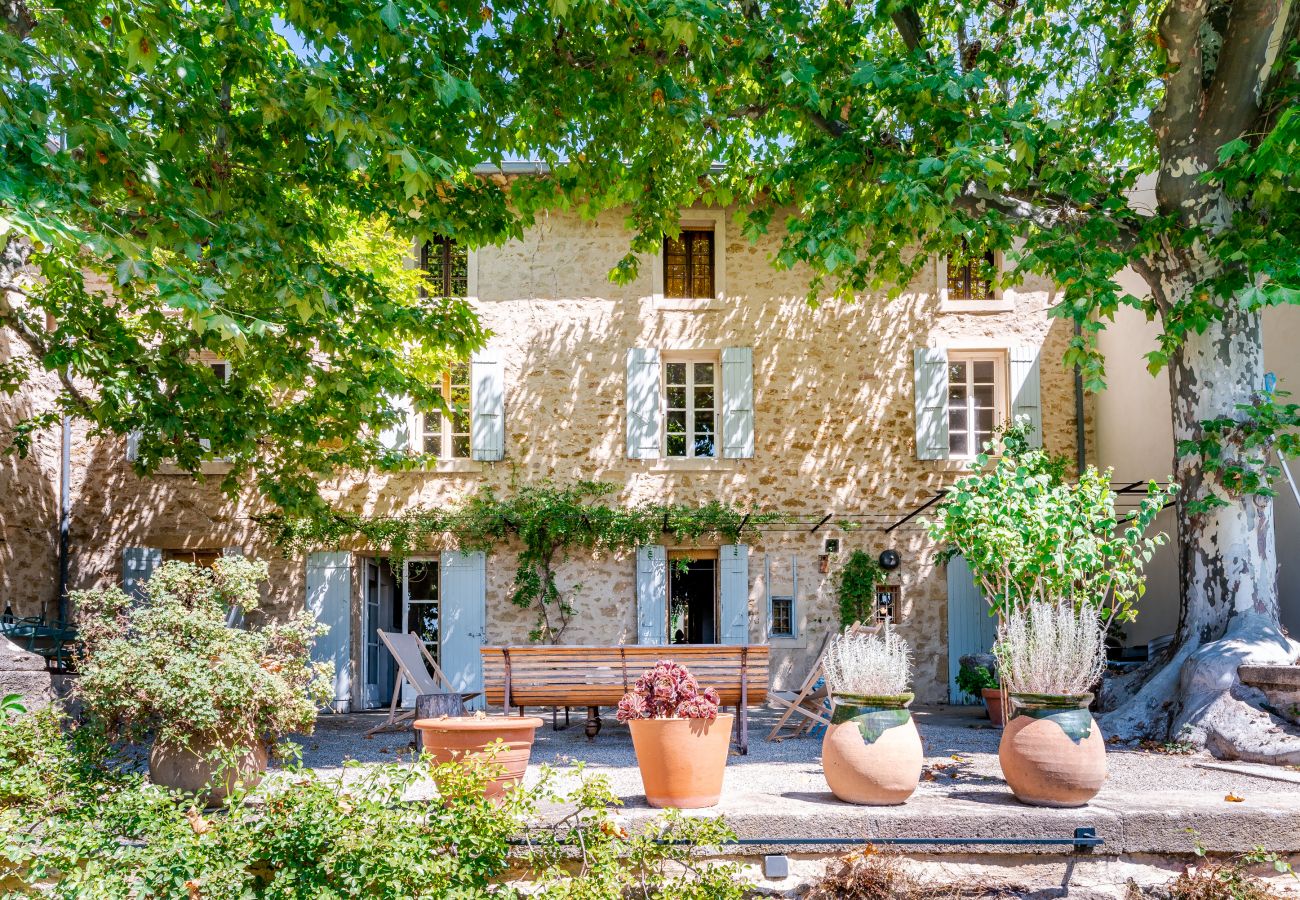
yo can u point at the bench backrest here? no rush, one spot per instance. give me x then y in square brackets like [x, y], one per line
[600, 676]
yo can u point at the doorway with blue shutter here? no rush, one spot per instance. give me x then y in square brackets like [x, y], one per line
[693, 596]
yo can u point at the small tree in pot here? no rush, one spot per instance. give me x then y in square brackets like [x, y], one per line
[213, 697]
[871, 753]
[680, 738]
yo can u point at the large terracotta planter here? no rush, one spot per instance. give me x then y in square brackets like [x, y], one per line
[871, 754]
[198, 770]
[1052, 751]
[452, 738]
[993, 702]
[682, 760]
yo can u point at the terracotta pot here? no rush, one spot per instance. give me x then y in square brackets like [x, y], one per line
[993, 703]
[871, 753]
[451, 738]
[198, 770]
[682, 760]
[1052, 750]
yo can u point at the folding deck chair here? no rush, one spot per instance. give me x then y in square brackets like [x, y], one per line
[411, 655]
[810, 701]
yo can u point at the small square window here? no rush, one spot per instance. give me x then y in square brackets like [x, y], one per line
[887, 603]
[689, 264]
[782, 617]
[446, 267]
[970, 275]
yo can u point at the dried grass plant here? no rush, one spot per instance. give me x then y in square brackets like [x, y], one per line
[1051, 648]
[874, 665]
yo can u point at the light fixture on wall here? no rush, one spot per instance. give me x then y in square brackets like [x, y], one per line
[890, 560]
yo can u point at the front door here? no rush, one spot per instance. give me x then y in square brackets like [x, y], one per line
[970, 627]
[381, 612]
[693, 597]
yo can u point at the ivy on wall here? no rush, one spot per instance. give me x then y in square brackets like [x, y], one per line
[550, 521]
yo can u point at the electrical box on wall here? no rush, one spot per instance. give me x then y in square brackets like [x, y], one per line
[831, 545]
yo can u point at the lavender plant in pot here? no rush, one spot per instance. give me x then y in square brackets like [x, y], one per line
[871, 753]
[680, 738]
[1050, 655]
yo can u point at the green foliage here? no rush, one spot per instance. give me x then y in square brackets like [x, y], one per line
[545, 521]
[80, 829]
[858, 579]
[973, 680]
[171, 666]
[1030, 534]
[1239, 449]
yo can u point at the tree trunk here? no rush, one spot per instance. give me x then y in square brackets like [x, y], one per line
[1229, 611]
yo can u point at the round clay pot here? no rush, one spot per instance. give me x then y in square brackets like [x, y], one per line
[993, 702]
[197, 769]
[872, 754]
[1052, 751]
[682, 760]
[451, 738]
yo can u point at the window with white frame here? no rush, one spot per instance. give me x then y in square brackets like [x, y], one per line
[976, 400]
[690, 398]
[446, 435]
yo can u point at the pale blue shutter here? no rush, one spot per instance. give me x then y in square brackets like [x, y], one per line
[487, 407]
[738, 402]
[463, 592]
[329, 600]
[652, 595]
[970, 627]
[734, 586]
[398, 435]
[930, 376]
[138, 563]
[234, 615]
[1026, 399]
[643, 412]
[133, 445]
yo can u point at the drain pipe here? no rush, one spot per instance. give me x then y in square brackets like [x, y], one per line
[1080, 431]
[65, 512]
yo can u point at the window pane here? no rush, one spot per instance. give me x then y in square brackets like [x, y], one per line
[432, 427]
[675, 373]
[704, 373]
[460, 446]
[957, 443]
[705, 433]
[958, 273]
[701, 244]
[458, 275]
[704, 397]
[676, 398]
[983, 371]
[957, 372]
[676, 444]
[984, 423]
[676, 270]
[677, 421]
[984, 396]
[957, 418]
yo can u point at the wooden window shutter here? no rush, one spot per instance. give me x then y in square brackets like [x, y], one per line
[1026, 392]
[738, 402]
[930, 376]
[643, 409]
[487, 407]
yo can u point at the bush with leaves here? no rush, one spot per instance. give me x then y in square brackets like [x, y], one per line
[1029, 534]
[170, 665]
[857, 588]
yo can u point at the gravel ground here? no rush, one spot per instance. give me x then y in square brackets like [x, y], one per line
[960, 747]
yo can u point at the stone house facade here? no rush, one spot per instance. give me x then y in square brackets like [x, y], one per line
[709, 377]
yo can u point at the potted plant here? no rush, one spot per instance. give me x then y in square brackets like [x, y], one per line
[857, 588]
[680, 739]
[871, 753]
[978, 677]
[1050, 656]
[502, 743]
[213, 697]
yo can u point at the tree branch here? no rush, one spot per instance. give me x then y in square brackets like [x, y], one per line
[1175, 120]
[1238, 92]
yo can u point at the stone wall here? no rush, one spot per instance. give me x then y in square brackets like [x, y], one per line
[834, 433]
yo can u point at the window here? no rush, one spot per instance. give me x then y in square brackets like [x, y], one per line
[691, 408]
[976, 400]
[203, 559]
[446, 265]
[970, 277]
[688, 264]
[887, 604]
[782, 617]
[221, 369]
[447, 435]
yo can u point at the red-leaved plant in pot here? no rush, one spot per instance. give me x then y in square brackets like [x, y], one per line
[680, 739]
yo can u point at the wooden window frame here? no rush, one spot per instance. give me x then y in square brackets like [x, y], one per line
[878, 610]
[446, 435]
[997, 301]
[444, 246]
[1001, 399]
[690, 359]
[688, 236]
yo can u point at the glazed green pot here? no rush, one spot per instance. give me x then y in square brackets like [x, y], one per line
[1052, 750]
[871, 754]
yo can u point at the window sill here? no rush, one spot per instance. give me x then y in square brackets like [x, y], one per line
[452, 467]
[684, 304]
[663, 464]
[976, 306]
[788, 643]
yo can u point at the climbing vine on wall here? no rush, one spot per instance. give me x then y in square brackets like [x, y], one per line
[550, 521]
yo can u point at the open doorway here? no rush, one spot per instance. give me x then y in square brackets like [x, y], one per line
[692, 597]
[383, 610]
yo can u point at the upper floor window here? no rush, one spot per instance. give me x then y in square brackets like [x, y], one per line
[446, 266]
[689, 264]
[690, 407]
[447, 435]
[976, 400]
[970, 275]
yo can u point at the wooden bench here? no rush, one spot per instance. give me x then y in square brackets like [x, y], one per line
[593, 677]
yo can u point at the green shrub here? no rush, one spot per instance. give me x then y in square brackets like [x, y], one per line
[171, 666]
[857, 589]
[975, 679]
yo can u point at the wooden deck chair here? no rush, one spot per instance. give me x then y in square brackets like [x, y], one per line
[411, 657]
[809, 702]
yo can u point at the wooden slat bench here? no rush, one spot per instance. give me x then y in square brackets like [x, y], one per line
[593, 677]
